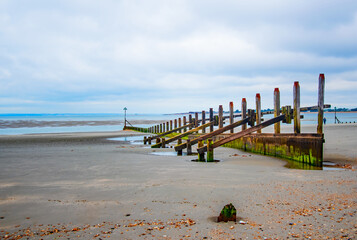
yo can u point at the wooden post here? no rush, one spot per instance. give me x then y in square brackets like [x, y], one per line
[158, 140]
[220, 116]
[320, 105]
[163, 127]
[179, 124]
[259, 110]
[149, 140]
[145, 140]
[170, 125]
[167, 126]
[179, 152]
[244, 112]
[231, 120]
[190, 120]
[203, 121]
[175, 123]
[211, 119]
[209, 151]
[184, 123]
[189, 147]
[276, 109]
[196, 119]
[296, 110]
[201, 156]
[163, 143]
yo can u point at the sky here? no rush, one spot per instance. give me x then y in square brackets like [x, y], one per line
[159, 56]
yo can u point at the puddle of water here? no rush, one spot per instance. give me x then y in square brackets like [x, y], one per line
[129, 139]
[174, 154]
[303, 166]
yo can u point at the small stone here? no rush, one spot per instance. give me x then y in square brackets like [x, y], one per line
[242, 222]
[228, 213]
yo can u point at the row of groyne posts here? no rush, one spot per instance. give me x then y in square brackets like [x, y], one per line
[306, 148]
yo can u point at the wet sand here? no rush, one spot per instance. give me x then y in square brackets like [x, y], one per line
[83, 186]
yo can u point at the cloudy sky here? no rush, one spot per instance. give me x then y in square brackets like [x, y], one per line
[159, 56]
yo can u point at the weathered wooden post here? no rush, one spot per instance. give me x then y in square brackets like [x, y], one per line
[161, 127]
[190, 121]
[189, 147]
[320, 104]
[276, 109]
[163, 143]
[201, 156]
[167, 126]
[196, 119]
[184, 123]
[244, 112]
[220, 116]
[203, 121]
[149, 140]
[179, 152]
[175, 123]
[259, 110]
[231, 118]
[145, 140]
[211, 119]
[296, 110]
[179, 124]
[164, 127]
[209, 151]
[170, 125]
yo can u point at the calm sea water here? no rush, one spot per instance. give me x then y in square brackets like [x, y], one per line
[309, 118]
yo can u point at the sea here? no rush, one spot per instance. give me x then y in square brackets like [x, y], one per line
[12, 124]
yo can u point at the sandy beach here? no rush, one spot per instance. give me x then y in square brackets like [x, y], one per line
[84, 186]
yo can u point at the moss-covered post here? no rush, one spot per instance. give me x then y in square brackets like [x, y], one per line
[244, 112]
[209, 151]
[201, 156]
[196, 119]
[220, 116]
[179, 152]
[179, 124]
[320, 104]
[231, 112]
[203, 121]
[211, 119]
[258, 115]
[276, 109]
[296, 111]
[184, 123]
[189, 147]
[163, 143]
[190, 121]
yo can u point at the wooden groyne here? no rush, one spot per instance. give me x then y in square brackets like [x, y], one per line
[302, 147]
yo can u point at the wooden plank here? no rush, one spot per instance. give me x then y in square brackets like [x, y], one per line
[276, 109]
[211, 119]
[203, 121]
[182, 135]
[242, 133]
[320, 104]
[171, 131]
[244, 112]
[296, 110]
[258, 113]
[220, 116]
[231, 118]
[212, 134]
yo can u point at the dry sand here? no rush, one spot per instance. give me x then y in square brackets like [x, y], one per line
[81, 186]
